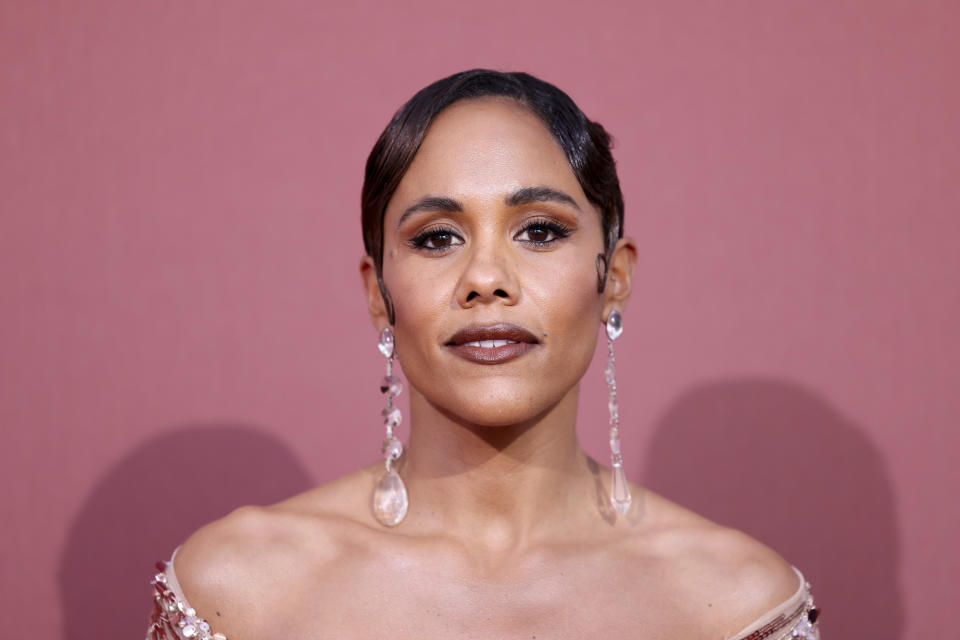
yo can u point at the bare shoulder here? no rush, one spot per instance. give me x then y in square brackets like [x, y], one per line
[728, 578]
[231, 569]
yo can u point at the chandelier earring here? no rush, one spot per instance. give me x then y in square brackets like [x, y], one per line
[619, 489]
[390, 501]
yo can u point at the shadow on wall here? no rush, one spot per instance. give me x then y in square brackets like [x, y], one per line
[778, 462]
[147, 504]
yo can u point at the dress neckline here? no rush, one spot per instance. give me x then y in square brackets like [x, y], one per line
[784, 613]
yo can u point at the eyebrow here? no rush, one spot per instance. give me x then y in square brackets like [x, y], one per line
[431, 204]
[526, 195]
[529, 195]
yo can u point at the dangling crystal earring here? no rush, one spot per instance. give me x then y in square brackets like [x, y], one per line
[390, 495]
[619, 489]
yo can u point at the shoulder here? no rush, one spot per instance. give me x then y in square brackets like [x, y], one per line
[726, 578]
[221, 567]
[233, 569]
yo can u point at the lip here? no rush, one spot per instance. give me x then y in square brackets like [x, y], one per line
[468, 343]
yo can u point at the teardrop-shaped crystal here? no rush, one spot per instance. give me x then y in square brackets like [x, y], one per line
[386, 342]
[390, 499]
[620, 490]
[391, 385]
[392, 448]
[391, 417]
[614, 325]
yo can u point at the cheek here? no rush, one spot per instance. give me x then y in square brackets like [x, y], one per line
[566, 293]
[420, 288]
[420, 300]
[570, 308]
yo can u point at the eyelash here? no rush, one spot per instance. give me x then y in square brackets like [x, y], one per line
[558, 230]
[420, 240]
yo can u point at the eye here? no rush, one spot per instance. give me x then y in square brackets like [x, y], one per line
[542, 232]
[436, 239]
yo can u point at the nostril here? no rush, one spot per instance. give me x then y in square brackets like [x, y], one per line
[472, 295]
[500, 293]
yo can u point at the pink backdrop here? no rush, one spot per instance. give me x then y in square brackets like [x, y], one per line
[182, 327]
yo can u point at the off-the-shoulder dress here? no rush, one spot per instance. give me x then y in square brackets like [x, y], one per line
[173, 618]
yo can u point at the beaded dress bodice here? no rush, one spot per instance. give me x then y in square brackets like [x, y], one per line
[173, 618]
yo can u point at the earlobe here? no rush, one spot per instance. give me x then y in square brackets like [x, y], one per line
[376, 305]
[620, 274]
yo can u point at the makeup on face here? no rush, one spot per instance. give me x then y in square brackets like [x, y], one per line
[492, 344]
[495, 246]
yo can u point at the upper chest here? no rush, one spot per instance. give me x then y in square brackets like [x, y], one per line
[574, 597]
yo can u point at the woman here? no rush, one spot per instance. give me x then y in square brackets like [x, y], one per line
[492, 219]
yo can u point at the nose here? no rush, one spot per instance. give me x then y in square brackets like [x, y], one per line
[489, 276]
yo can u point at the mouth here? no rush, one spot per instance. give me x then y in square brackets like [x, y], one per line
[492, 344]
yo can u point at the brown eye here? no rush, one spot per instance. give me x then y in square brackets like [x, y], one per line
[439, 240]
[542, 234]
[436, 240]
[538, 234]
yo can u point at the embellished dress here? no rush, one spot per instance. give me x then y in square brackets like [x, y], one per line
[173, 618]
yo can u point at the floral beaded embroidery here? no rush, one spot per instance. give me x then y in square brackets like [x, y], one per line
[806, 628]
[171, 619]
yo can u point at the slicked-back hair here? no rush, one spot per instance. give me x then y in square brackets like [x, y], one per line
[585, 143]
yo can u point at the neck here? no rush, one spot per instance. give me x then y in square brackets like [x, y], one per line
[498, 486]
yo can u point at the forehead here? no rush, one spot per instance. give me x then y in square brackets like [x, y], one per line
[485, 148]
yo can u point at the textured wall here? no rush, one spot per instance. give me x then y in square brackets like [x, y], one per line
[182, 328]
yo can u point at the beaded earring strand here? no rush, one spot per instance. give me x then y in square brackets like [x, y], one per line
[390, 501]
[619, 489]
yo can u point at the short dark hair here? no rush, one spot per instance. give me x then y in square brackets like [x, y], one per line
[585, 143]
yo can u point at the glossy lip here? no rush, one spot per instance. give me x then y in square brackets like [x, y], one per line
[522, 341]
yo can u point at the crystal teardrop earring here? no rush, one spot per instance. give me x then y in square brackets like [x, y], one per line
[619, 489]
[390, 500]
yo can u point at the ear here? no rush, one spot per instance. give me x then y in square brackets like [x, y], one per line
[619, 276]
[371, 287]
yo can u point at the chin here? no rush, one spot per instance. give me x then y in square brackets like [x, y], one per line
[498, 407]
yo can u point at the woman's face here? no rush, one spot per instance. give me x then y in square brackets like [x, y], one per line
[490, 257]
